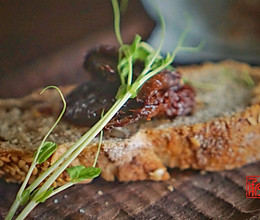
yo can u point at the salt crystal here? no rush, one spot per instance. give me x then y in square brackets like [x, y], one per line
[170, 188]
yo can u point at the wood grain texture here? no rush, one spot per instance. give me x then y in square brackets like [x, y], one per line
[218, 195]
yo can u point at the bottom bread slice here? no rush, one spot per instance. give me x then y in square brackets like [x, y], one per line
[222, 133]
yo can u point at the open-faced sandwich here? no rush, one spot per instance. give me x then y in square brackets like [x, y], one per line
[202, 117]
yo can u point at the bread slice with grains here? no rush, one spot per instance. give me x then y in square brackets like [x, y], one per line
[222, 133]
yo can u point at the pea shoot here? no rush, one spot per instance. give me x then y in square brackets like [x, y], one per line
[128, 55]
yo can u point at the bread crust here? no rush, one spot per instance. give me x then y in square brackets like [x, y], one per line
[221, 143]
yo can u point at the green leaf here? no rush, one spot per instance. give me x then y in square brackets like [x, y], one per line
[74, 172]
[80, 173]
[140, 54]
[46, 151]
[43, 196]
[89, 173]
[24, 198]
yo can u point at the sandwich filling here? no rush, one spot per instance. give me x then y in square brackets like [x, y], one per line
[163, 95]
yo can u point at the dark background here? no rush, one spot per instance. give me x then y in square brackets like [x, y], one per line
[44, 42]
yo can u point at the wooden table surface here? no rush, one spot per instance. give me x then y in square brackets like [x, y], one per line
[187, 195]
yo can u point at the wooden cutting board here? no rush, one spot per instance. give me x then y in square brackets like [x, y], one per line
[187, 195]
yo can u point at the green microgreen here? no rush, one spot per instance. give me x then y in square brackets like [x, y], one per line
[116, 10]
[33, 193]
[74, 172]
[100, 142]
[248, 80]
[46, 151]
[24, 198]
[123, 5]
[200, 85]
[43, 195]
[243, 78]
[128, 55]
[81, 173]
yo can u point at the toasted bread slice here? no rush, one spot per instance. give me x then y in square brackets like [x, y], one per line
[222, 133]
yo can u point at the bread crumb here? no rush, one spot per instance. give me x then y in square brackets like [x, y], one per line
[195, 142]
[203, 172]
[82, 211]
[99, 192]
[7, 160]
[170, 188]
[157, 174]
[252, 121]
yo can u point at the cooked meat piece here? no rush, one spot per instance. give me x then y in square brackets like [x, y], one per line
[164, 95]
[101, 63]
[86, 102]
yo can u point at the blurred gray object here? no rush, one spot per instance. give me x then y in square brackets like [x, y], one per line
[231, 29]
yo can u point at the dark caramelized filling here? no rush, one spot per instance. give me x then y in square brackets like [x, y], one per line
[163, 95]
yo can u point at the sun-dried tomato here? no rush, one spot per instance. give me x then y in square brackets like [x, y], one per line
[161, 96]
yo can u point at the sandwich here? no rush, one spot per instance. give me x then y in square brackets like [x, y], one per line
[214, 124]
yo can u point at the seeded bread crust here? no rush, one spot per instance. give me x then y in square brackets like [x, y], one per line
[221, 143]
